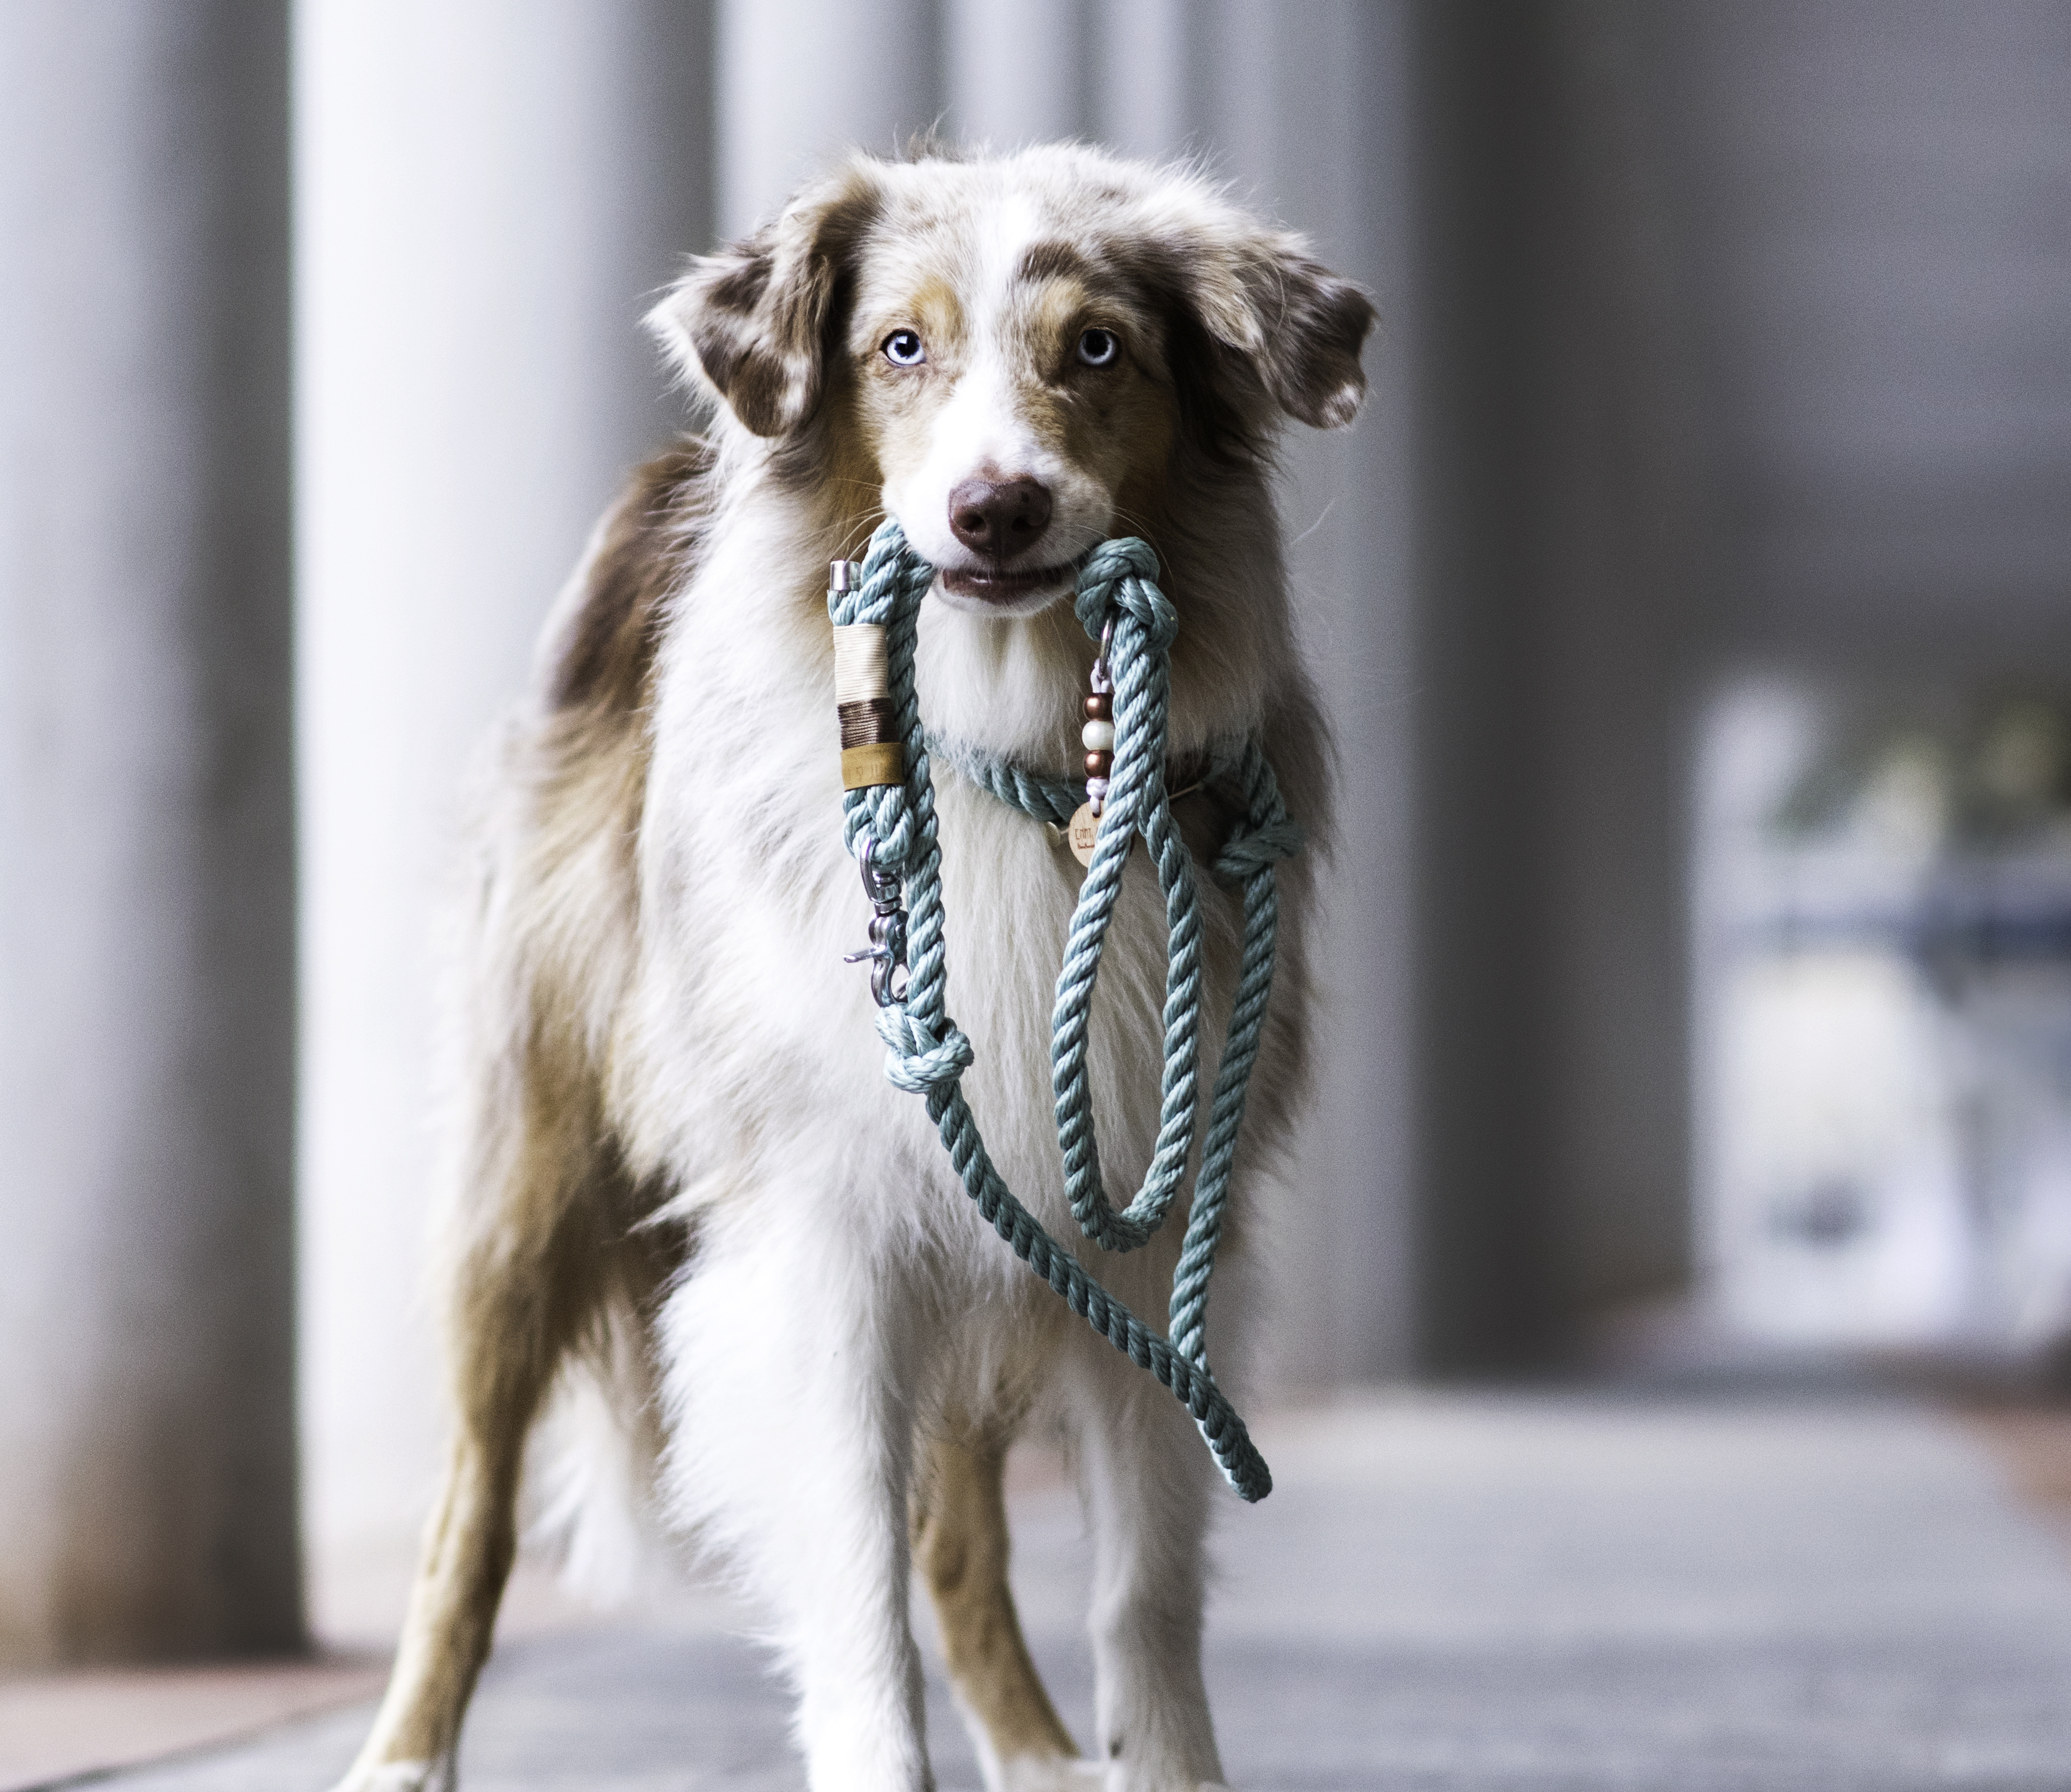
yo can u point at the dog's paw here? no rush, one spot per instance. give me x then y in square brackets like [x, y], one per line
[398, 1776]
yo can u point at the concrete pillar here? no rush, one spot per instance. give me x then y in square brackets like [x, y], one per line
[1485, 1297]
[1627, 556]
[489, 195]
[1143, 67]
[1307, 109]
[147, 1443]
[1562, 544]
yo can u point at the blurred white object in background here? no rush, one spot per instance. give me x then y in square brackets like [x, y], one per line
[1843, 1220]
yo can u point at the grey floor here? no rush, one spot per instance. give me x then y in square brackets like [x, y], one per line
[1469, 1593]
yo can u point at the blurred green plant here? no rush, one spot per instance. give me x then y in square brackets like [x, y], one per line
[1993, 778]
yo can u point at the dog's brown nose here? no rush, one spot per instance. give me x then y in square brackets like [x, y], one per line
[1001, 519]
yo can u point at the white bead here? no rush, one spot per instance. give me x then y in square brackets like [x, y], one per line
[1099, 737]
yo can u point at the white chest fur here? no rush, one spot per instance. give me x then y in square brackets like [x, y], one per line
[755, 1065]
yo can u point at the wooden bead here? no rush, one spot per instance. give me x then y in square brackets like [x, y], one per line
[1099, 706]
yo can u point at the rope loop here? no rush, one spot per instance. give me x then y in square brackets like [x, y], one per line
[927, 1053]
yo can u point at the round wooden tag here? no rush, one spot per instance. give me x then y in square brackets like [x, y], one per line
[1084, 832]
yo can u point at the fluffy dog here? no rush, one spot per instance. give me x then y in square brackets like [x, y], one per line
[676, 1167]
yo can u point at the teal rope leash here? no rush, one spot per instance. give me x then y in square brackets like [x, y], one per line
[1052, 800]
[889, 824]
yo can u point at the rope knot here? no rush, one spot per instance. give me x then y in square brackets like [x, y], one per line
[1122, 575]
[915, 1060]
[1251, 849]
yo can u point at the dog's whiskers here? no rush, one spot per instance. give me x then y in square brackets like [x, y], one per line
[1139, 527]
[860, 531]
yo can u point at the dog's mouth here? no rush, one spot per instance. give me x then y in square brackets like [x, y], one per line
[998, 584]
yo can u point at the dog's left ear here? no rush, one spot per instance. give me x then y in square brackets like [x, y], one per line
[751, 324]
[1300, 327]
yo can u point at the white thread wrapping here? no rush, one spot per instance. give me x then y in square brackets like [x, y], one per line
[860, 670]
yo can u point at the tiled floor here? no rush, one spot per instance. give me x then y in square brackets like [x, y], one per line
[1498, 1593]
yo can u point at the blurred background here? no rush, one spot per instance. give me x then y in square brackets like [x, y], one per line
[1692, 603]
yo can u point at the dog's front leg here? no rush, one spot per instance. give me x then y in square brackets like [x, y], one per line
[1147, 1481]
[791, 1358]
[960, 1542]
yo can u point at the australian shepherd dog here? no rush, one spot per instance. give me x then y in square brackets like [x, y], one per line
[677, 1177]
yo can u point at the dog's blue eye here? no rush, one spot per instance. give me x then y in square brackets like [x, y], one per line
[902, 348]
[1098, 347]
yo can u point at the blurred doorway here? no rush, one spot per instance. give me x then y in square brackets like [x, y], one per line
[1883, 970]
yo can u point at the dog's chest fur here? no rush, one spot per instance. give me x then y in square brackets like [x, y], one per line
[746, 1066]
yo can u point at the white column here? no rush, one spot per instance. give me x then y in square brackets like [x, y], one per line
[1340, 169]
[488, 194]
[1016, 74]
[1141, 53]
[147, 1460]
[801, 81]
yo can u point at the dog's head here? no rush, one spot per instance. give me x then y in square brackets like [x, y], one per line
[1021, 356]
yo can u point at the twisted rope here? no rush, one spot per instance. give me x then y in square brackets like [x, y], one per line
[927, 1053]
[1052, 800]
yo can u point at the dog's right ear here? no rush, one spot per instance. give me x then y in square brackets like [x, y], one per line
[752, 324]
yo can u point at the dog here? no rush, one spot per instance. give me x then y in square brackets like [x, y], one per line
[676, 1177]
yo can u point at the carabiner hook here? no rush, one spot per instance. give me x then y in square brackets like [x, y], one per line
[887, 950]
[1103, 677]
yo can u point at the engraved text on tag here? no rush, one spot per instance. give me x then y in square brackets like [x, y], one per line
[1085, 830]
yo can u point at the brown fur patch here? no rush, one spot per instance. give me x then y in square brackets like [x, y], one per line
[1215, 392]
[758, 320]
[1051, 261]
[648, 545]
[834, 459]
